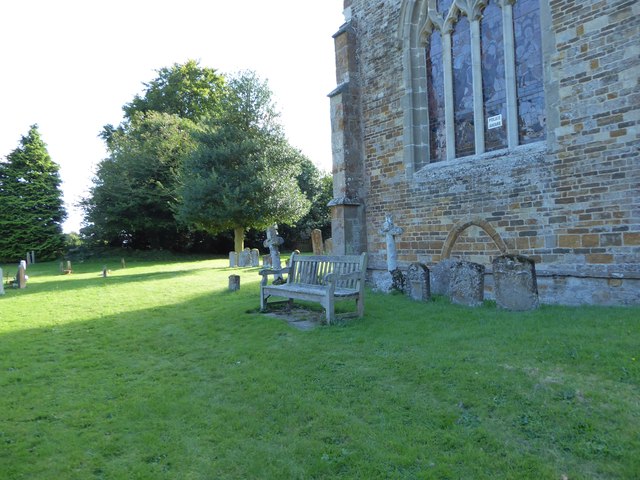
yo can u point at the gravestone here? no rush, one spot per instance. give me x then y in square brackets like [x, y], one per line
[21, 277]
[515, 283]
[1, 282]
[244, 258]
[105, 271]
[123, 263]
[233, 259]
[328, 246]
[316, 242]
[466, 285]
[255, 257]
[440, 276]
[234, 283]
[417, 285]
[266, 261]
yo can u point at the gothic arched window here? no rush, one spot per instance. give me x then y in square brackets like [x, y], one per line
[483, 87]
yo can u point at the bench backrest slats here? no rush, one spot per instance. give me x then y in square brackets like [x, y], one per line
[311, 270]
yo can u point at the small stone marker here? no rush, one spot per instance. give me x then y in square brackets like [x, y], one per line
[21, 277]
[244, 258]
[516, 286]
[105, 272]
[1, 282]
[417, 285]
[328, 246]
[266, 261]
[234, 283]
[466, 286]
[316, 242]
[233, 259]
[123, 263]
[255, 257]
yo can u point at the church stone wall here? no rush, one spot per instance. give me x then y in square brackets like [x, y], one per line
[571, 202]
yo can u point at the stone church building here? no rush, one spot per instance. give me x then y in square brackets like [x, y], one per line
[485, 127]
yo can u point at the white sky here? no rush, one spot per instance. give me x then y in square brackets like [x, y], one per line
[70, 66]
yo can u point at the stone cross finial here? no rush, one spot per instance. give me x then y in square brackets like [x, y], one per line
[391, 231]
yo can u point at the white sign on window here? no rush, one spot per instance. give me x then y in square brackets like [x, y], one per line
[494, 122]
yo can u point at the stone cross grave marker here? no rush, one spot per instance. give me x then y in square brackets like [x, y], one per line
[390, 231]
[273, 243]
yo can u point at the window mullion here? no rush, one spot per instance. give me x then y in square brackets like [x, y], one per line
[510, 74]
[478, 102]
[448, 95]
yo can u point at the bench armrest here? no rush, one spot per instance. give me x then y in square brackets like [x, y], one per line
[265, 272]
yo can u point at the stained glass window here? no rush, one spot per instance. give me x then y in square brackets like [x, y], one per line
[493, 82]
[435, 92]
[463, 88]
[444, 6]
[531, 114]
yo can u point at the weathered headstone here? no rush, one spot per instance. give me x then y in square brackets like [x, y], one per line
[21, 277]
[234, 283]
[440, 276]
[105, 271]
[123, 263]
[244, 258]
[255, 257]
[390, 231]
[1, 282]
[417, 285]
[316, 242]
[328, 246]
[233, 259]
[515, 283]
[466, 285]
[69, 270]
[266, 261]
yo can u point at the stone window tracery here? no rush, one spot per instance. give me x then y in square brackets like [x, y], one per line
[475, 79]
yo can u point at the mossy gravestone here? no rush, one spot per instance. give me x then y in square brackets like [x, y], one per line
[466, 284]
[417, 285]
[516, 286]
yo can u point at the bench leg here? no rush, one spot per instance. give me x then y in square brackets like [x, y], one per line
[360, 306]
[329, 309]
[263, 301]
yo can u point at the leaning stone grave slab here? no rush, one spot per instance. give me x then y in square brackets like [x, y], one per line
[515, 283]
[440, 275]
[466, 285]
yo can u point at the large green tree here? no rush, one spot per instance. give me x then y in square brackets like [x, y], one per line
[134, 192]
[31, 205]
[244, 172]
[133, 197]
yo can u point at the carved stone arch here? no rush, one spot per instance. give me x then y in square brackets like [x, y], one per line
[465, 223]
[472, 8]
[413, 17]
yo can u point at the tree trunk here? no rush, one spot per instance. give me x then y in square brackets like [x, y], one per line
[238, 239]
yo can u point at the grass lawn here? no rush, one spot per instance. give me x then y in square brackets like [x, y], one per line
[158, 372]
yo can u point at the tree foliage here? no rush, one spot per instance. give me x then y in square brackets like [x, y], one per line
[134, 191]
[31, 205]
[186, 90]
[244, 172]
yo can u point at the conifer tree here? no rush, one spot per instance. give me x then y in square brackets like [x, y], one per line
[31, 205]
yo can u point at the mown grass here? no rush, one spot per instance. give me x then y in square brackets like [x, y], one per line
[158, 372]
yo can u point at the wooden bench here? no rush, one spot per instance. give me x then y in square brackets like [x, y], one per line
[319, 278]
